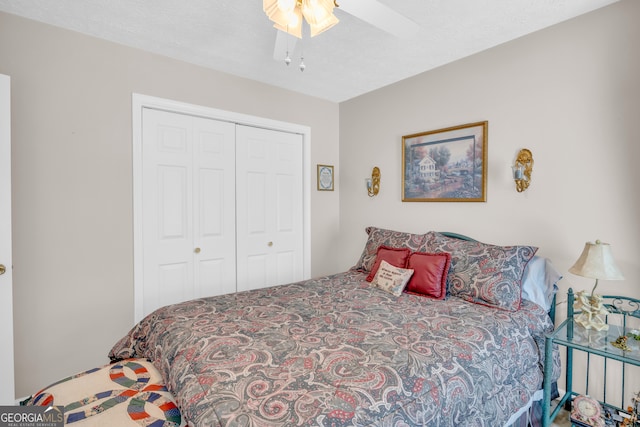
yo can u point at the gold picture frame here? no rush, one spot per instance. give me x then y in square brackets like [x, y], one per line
[325, 178]
[446, 165]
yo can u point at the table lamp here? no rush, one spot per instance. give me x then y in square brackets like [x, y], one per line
[595, 262]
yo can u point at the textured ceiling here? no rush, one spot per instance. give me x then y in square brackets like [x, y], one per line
[352, 58]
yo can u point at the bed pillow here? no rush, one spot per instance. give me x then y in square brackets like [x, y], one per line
[397, 257]
[429, 274]
[539, 283]
[381, 237]
[484, 274]
[391, 279]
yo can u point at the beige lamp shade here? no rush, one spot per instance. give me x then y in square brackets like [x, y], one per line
[596, 262]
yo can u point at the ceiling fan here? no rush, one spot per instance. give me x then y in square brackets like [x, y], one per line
[372, 12]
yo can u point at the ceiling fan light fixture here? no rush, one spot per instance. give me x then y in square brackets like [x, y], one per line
[287, 6]
[287, 15]
[293, 26]
[319, 15]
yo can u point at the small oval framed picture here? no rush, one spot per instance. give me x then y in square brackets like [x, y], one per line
[325, 178]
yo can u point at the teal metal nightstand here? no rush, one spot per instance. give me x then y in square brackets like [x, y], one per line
[623, 318]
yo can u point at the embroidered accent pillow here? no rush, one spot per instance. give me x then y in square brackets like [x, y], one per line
[391, 279]
[429, 274]
[484, 274]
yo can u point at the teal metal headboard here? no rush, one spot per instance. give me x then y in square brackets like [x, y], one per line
[457, 236]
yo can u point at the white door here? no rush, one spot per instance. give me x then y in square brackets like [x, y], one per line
[269, 207]
[7, 391]
[188, 208]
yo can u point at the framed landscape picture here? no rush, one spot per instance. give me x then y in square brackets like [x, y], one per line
[446, 165]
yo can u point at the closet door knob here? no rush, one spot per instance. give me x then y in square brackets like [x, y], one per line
[3, 269]
[196, 250]
[270, 244]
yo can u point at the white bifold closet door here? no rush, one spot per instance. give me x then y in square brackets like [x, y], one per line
[268, 207]
[188, 208]
[222, 207]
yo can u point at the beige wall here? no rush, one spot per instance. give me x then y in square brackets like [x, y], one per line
[72, 183]
[570, 93]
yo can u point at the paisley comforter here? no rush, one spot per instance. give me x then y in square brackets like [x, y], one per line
[335, 351]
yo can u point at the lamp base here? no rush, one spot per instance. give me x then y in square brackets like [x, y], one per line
[591, 311]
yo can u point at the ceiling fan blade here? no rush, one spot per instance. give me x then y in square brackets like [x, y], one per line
[284, 42]
[381, 16]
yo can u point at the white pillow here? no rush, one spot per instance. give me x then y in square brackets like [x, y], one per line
[539, 282]
[391, 279]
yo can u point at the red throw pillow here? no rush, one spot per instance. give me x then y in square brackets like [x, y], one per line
[394, 256]
[430, 274]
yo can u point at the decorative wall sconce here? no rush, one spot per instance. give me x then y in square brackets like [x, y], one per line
[522, 170]
[373, 183]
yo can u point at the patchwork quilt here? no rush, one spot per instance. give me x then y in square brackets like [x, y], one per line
[127, 393]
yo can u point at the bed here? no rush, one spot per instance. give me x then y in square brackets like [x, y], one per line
[460, 341]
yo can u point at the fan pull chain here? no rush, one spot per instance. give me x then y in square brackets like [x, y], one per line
[287, 59]
[302, 65]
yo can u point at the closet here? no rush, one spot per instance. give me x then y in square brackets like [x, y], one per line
[222, 208]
